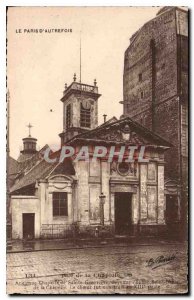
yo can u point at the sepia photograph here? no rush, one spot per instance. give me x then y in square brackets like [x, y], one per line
[97, 150]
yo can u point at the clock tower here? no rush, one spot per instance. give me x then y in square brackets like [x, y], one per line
[80, 109]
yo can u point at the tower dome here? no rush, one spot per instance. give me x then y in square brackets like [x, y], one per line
[29, 146]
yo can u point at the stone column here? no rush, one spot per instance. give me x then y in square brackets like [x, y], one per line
[135, 207]
[49, 208]
[112, 203]
[143, 193]
[82, 169]
[70, 207]
[161, 200]
[74, 202]
[43, 210]
[105, 170]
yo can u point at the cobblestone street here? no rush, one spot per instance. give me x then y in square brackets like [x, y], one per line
[99, 270]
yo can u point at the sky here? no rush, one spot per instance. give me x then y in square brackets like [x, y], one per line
[39, 64]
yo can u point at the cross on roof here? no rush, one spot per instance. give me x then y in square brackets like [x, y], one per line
[29, 127]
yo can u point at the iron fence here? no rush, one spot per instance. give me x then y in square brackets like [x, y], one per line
[75, 231]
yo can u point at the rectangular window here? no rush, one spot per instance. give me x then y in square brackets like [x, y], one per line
[68, 116]
[140, 76]
[60, 207]
[85, 117]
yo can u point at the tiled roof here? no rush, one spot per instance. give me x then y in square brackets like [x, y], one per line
[28, 171]
[65, 168]
[39, 171]
[13, 169]
[13, 166]
[26, 165]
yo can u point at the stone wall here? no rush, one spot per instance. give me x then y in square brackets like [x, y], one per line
[20, 205]
[138, 66]
[75, 101]
[158, 98]
[167, 126]
[82, 172]
[145, 188]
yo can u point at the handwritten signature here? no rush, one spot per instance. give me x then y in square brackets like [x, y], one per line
[159, 261]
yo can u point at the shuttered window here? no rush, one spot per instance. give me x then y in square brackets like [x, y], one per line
[68, 116]
[85, 117]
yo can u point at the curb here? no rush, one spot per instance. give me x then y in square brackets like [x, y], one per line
[96, 246]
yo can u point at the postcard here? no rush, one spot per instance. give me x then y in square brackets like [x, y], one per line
[97, 150]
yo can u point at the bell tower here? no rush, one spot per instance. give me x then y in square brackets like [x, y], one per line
[29, 146]
[80, 109]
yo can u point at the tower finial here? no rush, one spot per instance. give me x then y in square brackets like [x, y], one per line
[95, 82]
[29, 127]
[74, 77]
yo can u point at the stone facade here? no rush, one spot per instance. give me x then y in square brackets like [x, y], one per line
[144, 188]
[161, 78]
[24, 205]
[102, 197]
[75, 96]
[133, 193]
[155, 87]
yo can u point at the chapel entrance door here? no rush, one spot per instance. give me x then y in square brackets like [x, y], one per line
[123, 213]
[28, 226]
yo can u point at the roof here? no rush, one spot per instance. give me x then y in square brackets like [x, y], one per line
[112, 132]
[111, 120]
[41, 171]
[124, 131]
[13, 166]
[37, 172]
[21, 169]
[25, 165]
[13, 169]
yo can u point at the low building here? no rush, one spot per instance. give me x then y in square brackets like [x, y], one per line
[93, 197]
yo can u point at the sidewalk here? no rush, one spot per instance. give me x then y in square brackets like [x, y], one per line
[14, 246]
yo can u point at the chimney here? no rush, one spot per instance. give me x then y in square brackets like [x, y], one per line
[104, 117]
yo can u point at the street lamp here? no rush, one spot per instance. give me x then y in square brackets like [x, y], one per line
[102, 201]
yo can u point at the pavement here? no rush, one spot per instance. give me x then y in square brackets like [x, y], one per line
[114, 269]
[59, 244]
